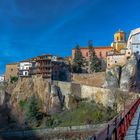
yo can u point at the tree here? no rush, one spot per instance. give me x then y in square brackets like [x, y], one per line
[78, 60]
[95, 62]
[33, 113]
[13, 79]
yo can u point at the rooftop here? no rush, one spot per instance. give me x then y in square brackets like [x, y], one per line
[100, 47]
[120, 31]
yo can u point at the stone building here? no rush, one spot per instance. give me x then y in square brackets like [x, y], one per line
[118, 59]
[100, 51]
[122, 51]
[119, 41]
[11, 71]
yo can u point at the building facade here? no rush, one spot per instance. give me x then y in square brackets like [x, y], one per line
[118, 59]
[134, 41]
[120, 55]
[2, 78]
[24, 68]
[43, 66]
[119, 41]
[101, 52]
[11, 71]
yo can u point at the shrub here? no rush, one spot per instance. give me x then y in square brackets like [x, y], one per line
[13, 79]
[23, 104]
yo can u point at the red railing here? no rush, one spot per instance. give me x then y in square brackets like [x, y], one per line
[117, 128]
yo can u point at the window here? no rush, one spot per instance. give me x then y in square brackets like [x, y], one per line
[137, 52]
[115, 61]
[121, 38]
[12, 69]
[117, 38]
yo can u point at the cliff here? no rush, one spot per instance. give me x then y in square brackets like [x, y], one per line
[26, 87]
[126, 77]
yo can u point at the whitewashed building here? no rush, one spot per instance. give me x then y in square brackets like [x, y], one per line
[134, 41]
[2, 78]
[24, 68]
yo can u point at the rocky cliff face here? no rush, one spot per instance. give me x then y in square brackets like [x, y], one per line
[26, 87]
[125, 77]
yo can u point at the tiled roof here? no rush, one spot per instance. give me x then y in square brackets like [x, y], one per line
[100, 47]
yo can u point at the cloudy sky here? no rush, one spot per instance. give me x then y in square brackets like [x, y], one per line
[34, 27]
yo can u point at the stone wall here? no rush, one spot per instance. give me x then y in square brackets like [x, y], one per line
[95, 79]
[99, 95]
[107, 97]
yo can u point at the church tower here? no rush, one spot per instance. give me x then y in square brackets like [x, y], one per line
[119, 41]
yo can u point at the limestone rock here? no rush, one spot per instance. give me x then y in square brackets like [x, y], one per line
[123, 77]
[112, 77]
[56, 100]
[26, 87]
[128, 75]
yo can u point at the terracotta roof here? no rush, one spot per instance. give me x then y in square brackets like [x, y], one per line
[100, 47]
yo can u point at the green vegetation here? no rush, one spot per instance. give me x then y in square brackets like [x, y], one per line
[95, 62]
[78, 60]
[23, 104]
[81, 112]
[85, 113]
[31, 108]
[13, 79]
[33, 113]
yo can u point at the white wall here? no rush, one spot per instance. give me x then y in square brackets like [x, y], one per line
[25, 65]
[2, 78]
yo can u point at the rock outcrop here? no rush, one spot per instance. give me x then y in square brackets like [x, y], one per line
[26, 87]
[124, 77]
[128, 75]
[112, 77]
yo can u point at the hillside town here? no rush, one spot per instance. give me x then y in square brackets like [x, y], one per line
[74, 96]
[69, 70]
[54, 67]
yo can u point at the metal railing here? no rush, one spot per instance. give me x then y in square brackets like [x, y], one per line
[117, 128]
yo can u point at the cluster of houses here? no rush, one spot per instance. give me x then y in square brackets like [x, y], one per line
[122, 49]
[119, 52]
[47, 66]
[57, 68]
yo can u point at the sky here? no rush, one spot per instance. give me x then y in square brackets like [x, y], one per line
[34, 27]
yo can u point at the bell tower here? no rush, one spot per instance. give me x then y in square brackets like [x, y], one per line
[119, 41]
